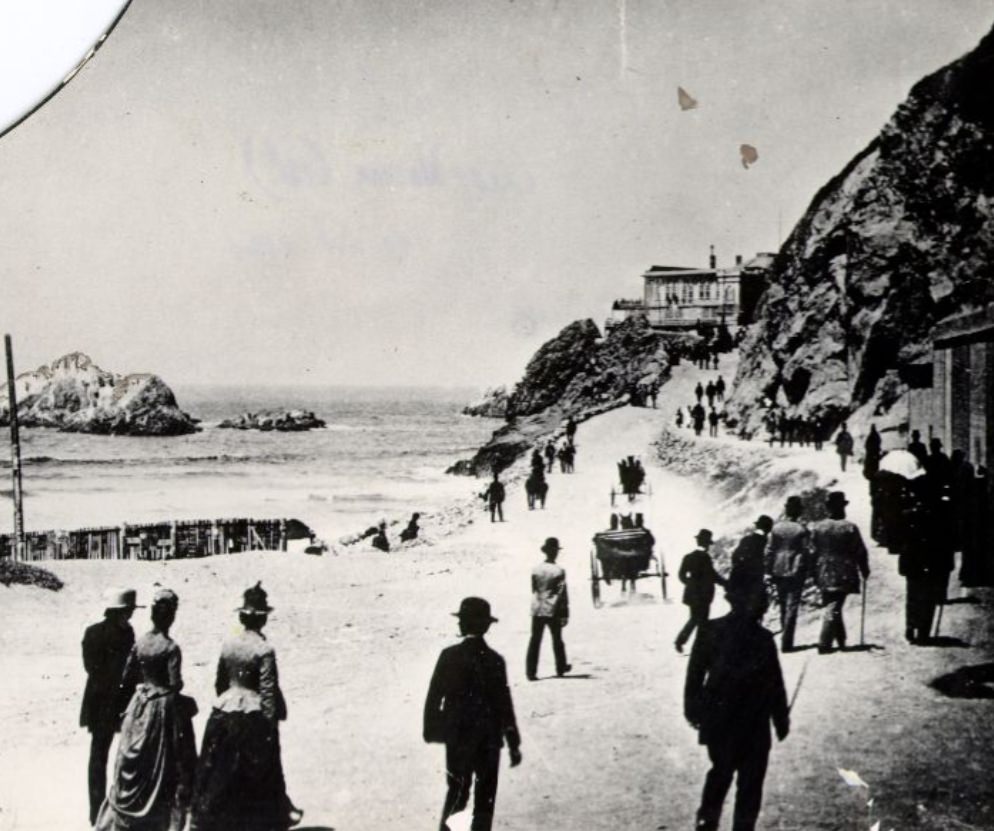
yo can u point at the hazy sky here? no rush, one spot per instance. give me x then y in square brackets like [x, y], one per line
[392, 191]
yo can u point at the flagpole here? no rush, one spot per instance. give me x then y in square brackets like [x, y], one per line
[15, 455]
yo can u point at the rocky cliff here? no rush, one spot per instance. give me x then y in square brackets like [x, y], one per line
[578, 373]
[73, 394]
[900, 238]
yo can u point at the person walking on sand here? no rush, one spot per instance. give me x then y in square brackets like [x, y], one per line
[240, 782]
[679, 417]
[469, 709]
[713, 423]
[872, 453]
[157, 754]
[699, 392]
[698, 416]
[917, 448]
[843, 445]
[787, 556]
[106, 646]
[734, 689]
[749, 556]
[570, 429]
[550, 455]
[719, 388]
[840, 560]
[550, 610]
[698, 575]
[494, 494]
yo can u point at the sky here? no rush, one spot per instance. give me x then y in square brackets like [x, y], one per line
[398, 192]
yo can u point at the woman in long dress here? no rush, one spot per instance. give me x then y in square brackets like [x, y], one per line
[156, 755]
[240, 784]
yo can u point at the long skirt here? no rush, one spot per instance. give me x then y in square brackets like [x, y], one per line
[156, 758]
[240, 784]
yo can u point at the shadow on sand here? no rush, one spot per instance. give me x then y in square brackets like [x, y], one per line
[975, 681]
[943, 642]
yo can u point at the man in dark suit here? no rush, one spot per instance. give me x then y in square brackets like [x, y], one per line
[469, 709]
[734, 689]
[106, 646]
[749, 556]
[698, 575]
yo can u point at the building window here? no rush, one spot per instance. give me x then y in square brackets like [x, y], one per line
[687, 293]
[705, 291]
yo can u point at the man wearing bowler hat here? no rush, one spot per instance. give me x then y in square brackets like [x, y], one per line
[469, 710]
[734, 690]
[550, 609]
[106, 646]
[698, 575]
[840, 559]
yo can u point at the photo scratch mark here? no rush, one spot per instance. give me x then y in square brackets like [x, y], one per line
[685, 99]
[749, 154]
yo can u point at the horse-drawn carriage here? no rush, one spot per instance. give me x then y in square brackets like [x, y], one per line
[626, 555]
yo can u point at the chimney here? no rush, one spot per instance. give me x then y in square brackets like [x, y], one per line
[713, 260]
[738, 259]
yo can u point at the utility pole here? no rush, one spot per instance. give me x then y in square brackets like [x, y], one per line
[15, 455]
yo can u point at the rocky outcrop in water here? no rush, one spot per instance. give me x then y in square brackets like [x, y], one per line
[74, 395]
[902, 237]
[290, 421]
[492, 404]
[578, 373]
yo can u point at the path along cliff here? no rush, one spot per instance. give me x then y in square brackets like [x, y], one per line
[357, 636]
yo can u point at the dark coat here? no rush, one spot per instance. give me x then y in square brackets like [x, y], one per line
[106, 646]
[734, 685]
[840, 555]
[748, 560]
[469, 701]
[698, 575]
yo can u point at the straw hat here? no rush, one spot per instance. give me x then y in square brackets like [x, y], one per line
[118, 598]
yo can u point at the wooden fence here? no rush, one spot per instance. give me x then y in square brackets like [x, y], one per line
[155, 541]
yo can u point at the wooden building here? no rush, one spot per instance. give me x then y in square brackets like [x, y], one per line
[961, 411]
[679, 298]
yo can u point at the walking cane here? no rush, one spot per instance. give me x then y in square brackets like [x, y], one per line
[862, 616]
[938, 622]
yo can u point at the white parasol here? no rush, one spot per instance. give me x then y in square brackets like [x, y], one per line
[901, 463]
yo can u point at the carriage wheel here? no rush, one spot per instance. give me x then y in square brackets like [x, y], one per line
[595, 586]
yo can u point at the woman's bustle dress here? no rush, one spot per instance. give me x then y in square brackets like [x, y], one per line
[156, 755]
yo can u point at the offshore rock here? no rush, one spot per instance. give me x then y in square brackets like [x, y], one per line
[577, 374]
[289, 421]
[902, 237]
[74, 395]
[492, 404]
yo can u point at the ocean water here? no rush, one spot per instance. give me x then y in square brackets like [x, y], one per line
[382, 456]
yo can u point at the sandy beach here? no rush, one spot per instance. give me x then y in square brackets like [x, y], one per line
[357, 635]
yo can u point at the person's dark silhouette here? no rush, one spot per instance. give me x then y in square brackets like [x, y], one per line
[698, 575]
[468, 708]
[733, 691]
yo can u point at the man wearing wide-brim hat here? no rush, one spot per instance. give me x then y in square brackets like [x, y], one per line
[468, 708]
[787, 560]
[106, 646]
[550, 610]
[840, 559]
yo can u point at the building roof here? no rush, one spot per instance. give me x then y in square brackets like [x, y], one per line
[762, 261]
[682, 273]
[965, 327]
